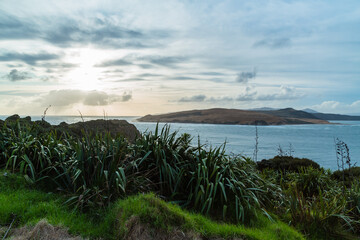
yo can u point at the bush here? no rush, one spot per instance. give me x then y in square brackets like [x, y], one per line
[286, 163]
[348, 175]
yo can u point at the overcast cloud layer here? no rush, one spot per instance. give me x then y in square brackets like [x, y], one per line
[141, 57]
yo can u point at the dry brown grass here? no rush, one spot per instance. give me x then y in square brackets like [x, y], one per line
[42, 231]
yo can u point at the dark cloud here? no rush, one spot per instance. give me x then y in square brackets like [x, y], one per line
[273, 43]
[60, 65]
[126, 97]
[106, 33]
[112, 63]
[196, 98]
[183, 78]
[165, 61]
[113, 71]
[14, 65]
[144, 62]
[145, 66]
[213, 74]
[12, 27]
[65, 32]
[68, 97]
[30, 59]
[16, 75]
[204, 98]
[149, 75]
[244, 77]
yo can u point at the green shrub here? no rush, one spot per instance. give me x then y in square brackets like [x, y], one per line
[348, 175]
[321, 216]
[286, 163]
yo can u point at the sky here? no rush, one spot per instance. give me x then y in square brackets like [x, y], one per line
[132, 58]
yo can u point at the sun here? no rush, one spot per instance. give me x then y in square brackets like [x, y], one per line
[86, 75]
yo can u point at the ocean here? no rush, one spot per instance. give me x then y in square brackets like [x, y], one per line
[316, 142]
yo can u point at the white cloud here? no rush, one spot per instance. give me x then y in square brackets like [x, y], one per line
[338, 107]
[69, 97]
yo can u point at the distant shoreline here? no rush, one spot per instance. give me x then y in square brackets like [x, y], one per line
[224, 116]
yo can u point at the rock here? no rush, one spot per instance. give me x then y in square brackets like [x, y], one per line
[12, 118]
[27, 118]
[114, 127]
[43, 124]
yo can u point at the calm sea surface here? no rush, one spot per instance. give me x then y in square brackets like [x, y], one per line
[311, 141]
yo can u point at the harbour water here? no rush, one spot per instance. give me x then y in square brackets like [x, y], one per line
[316, 142]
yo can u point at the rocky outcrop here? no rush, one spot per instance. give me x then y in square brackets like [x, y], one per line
[114, 127]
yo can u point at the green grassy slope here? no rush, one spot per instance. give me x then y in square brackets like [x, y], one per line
[30, 206]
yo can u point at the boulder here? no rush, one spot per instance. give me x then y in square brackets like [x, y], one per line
[114, 127]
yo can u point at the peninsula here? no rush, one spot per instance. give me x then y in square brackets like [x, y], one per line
[285, 116]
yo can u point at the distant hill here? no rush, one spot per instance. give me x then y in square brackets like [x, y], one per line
[290, 113]
[263, 109]
[336, 117]
[235, 116]
[309, 110]
[332, 116]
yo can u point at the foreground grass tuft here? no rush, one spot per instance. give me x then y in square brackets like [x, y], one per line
[31, 206]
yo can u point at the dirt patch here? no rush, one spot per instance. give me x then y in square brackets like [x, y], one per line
[140, 231]
[42, 231]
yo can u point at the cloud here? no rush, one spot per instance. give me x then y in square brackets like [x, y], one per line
[170, 61]
[68, 97]
[104, 31]
[244, 77]
[273, 43]
[13, 28]
[213, 74]
[283, 93]
[30, 59]
[149, 75]
[16, 75]
[248, 95]
[183, 78]
[338, 107]
[61, 65]
[112, 63]
[144, 61]
[146, 66]
[196, 98]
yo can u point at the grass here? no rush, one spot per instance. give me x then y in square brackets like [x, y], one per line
[31, 205]
[160, 214]
[96, 184]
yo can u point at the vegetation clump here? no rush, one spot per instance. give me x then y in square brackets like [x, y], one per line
[116, 184]
[286, 163]
[348, 175]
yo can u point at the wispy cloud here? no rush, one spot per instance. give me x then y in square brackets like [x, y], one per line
[104, 31]
[68, 97]
[16, 75]
[332, 106]
[29, 58]
[273, 43]
[196, 98]
[244, 77]
[115, 62]
[248, 95]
